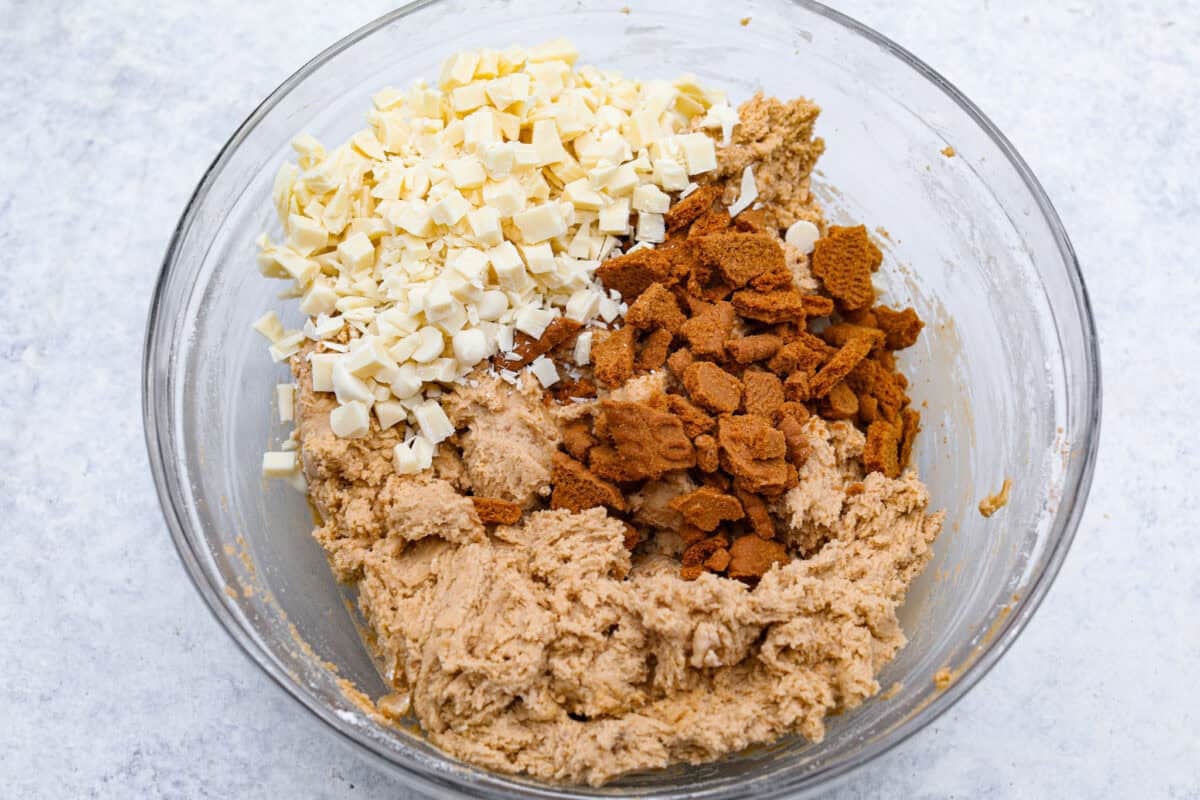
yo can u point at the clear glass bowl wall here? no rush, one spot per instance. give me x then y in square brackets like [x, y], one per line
[1005, 374]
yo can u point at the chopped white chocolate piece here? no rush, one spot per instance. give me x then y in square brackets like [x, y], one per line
[534, 321]
[614, 218]
[466, 172]
[747, 195]
[491, 305]
[285, 401]
[508, 266]
[544, 370]
[270, 326]
[583, 305]
[670, 174]
[368, 359]
[802, 235]
[583, 349]
[433, 422]
[699, 152]
[485, 224]
[508, 197]
[547, 143]
[349, 387]
[429, 345]
[404, 381]
[306, 235]
[280, 464]
[322, 370]
[389, 413]
[404, 460]
[470, 347]
[287, 346]
[609, 309]
[350, 421]
[538, 257]
[649, 197]
[650, 228]
[541, 222]
[450, 209]
[320, 298]
[357, 253]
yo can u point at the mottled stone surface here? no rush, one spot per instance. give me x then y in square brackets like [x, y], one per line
[118, 683]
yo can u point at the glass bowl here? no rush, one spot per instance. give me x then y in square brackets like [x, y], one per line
[1006, 374]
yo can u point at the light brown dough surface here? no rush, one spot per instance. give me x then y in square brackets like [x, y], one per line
[546, 648]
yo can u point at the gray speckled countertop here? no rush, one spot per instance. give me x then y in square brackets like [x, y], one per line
[117, 682]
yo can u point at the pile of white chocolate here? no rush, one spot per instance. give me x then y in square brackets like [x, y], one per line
[466, 213]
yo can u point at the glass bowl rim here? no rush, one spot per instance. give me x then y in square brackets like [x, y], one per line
[1076, 484]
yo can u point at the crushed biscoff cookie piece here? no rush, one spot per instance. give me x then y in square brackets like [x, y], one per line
[597, 411]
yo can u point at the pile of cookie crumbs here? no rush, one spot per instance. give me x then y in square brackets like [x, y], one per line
[748, 357]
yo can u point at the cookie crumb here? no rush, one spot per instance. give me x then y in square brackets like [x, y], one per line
[613, 356]
[844, 260]
[492, 510]
[712, 388]
[576, 487]
[751, 557]
[994, 502]
[707, 508]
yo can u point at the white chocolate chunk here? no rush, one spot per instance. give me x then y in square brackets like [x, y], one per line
[670, 174]
[544, 370]
[450, 209]
[270, 326]
[583, 349]
[699, 152]
[541, 222]
[507, 196]
[368, 359]
[534, 321]
[287, 346]
[470, 347]
[433, 422]
[405, 460]
[322, 370]
[404, 381]
[583, 305]
[285, 401]
[306, 235]
[538, 257]
[485, 225]
[466, 172]
[650, 228]
[320, 298]
[614, 218]
[389, 413]
[747, 195]
[349, 387]
[492, 304]
[648, 197]
[802, 235]
[508, 266]
[357, 253]
[350, 421]
[429, 345]
[547, 143]
[280, 464]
